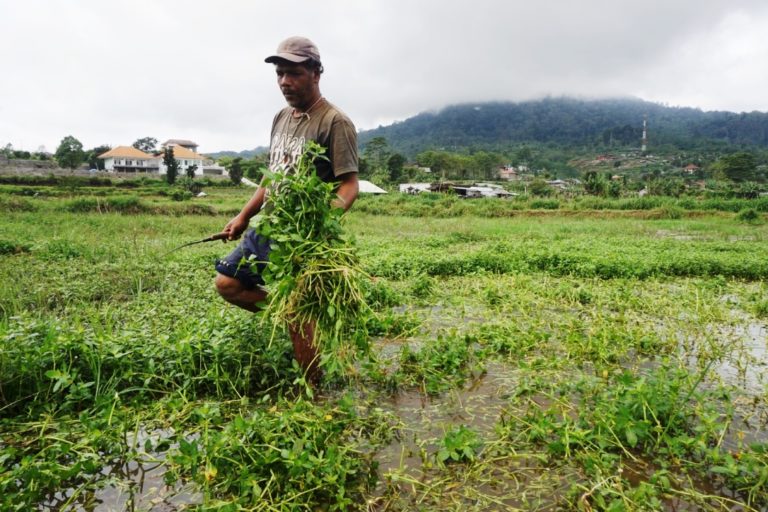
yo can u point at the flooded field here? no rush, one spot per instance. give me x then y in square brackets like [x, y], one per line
[542, 363]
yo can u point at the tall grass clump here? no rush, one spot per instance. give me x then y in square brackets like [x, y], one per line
[16, 204]
[119, 204]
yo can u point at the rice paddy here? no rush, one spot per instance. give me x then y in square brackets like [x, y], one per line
[564, 360]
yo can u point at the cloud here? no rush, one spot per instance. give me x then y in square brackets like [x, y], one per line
[112, 72]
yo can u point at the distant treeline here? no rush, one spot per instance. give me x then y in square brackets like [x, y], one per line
[596, 124]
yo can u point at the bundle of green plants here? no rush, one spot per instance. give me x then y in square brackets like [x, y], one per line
[313, 276]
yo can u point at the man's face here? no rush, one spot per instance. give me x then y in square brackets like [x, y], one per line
[298, 84]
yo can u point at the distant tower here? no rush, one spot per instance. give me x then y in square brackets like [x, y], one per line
[644, 145]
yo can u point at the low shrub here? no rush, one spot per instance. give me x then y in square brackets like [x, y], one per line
[544, 204]
[16, 204]
[11, 247]
[749, 215]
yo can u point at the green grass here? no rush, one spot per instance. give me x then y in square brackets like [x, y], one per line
[538, 361]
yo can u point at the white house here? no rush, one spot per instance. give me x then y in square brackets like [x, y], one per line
[186, 158]
[129, 159]
[185, 152]
[190, 145]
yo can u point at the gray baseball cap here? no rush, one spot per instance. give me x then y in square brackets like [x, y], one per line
[295, 49]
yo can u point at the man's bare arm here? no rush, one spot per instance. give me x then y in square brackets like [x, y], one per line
[239, 223]
[347, 191]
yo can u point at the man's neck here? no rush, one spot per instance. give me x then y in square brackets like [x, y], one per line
[304, 109]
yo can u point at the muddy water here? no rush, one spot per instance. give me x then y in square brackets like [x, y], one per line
[140, 486]
[745, 366]
[136, 485]
[426, 418]
[409, 475]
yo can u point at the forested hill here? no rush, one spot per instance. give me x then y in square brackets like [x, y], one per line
[570, 122]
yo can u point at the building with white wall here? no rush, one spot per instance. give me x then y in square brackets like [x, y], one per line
[186, 159]
[129, 159]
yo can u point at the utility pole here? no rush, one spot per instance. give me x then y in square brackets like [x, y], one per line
[644, 145]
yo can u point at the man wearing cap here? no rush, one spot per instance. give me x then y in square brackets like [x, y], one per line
[308, 116]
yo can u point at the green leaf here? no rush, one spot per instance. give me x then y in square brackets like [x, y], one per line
[722, 470]
[631, 437]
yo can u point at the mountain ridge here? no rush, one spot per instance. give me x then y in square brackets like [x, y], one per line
[569, 122]
[600, 124]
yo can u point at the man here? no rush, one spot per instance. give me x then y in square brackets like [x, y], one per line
[308, 116]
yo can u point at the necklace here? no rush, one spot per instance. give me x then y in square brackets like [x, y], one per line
[299, 115]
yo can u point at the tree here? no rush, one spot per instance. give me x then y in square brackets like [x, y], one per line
[377, 152]
[595, 184]
[92, 156]
[541, 188]
[191, 171]
[363, 168]
[171, 165]
[615, 187]
[253, 169]
[524, 156]
[738, 167]
[70, 152]
[236, 171]
[147, 144]
[487, 164]
[395, 165]
[439, 162]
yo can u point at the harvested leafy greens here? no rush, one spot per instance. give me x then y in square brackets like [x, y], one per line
[313, 275]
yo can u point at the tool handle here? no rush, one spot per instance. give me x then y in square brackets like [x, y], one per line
[217, 236]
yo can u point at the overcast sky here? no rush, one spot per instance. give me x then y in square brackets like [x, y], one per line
[112, 71]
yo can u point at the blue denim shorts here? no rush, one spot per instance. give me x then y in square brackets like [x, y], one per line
[240, 265]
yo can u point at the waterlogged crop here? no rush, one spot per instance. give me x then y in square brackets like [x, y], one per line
[460, 444]
[292, 455]
[554, 360]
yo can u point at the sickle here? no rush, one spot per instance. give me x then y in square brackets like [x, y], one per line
[217, 236]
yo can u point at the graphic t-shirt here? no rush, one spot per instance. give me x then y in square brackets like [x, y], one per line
[326, 125]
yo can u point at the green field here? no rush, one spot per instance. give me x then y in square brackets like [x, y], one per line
[520, 358]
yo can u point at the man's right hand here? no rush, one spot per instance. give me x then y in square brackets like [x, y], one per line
[235, 228]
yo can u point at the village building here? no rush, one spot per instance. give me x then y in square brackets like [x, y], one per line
[186, 158]
[129, 159]
[511, 173]
[414, 188]
[173, 143]
[558, 184]
[691, 168]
